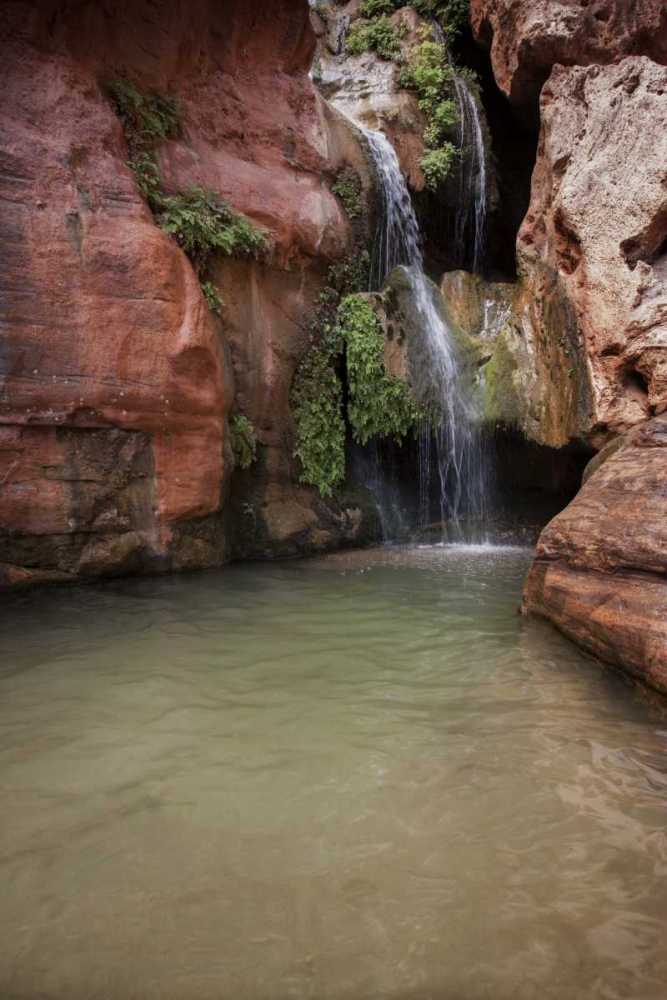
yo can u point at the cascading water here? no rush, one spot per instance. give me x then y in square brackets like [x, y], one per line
[460, 462]
[470, 222]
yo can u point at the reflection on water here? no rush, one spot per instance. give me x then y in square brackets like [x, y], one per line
[364, 776]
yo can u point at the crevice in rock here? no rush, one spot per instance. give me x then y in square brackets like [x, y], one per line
[648, 246]
[568, 245]
[531, 483]
[636, 385]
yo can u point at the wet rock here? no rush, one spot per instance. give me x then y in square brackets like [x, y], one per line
[365, 87]
[534, 373]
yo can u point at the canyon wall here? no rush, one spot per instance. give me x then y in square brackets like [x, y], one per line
[594, 241]
[116, 380]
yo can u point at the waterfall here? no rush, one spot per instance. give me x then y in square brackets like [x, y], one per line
[398, 243]
[470, 223]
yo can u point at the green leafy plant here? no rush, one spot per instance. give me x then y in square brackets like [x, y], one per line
[317, 401]
[442, 120]
[317, 391]
[451, 15]
[213, 298]
[379, 404]
[244, 441]
[436, 164]
[348, 188]
[203, 226]
[378, 35]
[430, 74]
[376, 8]
[147, 120]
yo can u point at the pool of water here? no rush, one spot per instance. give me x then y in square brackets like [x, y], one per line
[361, 776]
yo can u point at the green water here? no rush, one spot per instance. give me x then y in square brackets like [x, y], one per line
[357, 777]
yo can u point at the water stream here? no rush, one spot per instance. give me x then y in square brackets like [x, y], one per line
[362, 777]
[460, 463]
[470, 223]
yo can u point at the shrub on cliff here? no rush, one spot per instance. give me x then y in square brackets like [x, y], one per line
[378, 35]
[203, 226]
[430, 74]
[379, 404]
[147, 119]
[348, 188]
[451, 15]
[244, 441]
[317, 390]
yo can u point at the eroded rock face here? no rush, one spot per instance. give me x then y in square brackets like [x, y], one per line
[584, 352]
[600, 573]
[115, 379]
[528, 37]
[365, 87]
[535, 376]
[598, 222]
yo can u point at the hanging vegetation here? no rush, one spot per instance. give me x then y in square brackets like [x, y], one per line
[202, 225]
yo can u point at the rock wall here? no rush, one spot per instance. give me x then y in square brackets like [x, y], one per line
[365, 87]
[594, 243]
[598, 222]
[600, 572]
[115, 379]
[527, 38]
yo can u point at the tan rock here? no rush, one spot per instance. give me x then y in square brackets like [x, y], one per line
[527, 37]
[365, 88]
[597, 223]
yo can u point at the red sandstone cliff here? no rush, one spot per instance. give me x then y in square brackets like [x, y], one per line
[115, 379]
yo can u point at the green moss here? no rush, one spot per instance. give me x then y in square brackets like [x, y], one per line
[379, 405]
[502, 403]
[321, 11]
[244, 441]
[378, 35]
[348, 188]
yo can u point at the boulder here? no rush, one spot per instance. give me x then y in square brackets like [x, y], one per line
[600, 572]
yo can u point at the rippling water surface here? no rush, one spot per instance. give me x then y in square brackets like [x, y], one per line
[364, 776]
